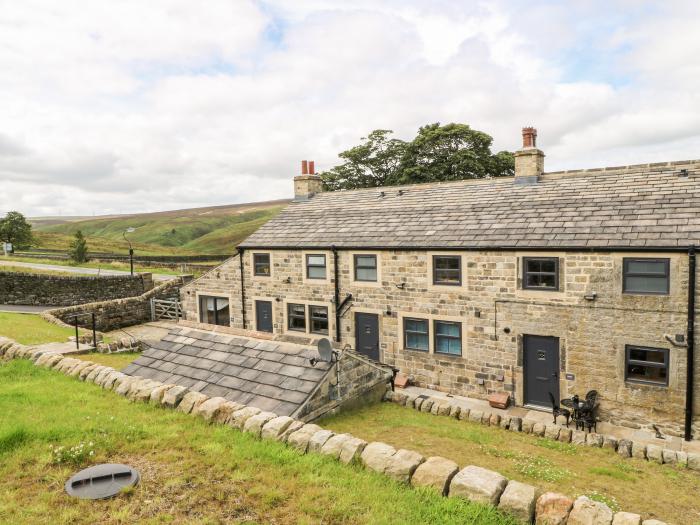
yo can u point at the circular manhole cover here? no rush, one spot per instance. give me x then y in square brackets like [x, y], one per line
[102, 481]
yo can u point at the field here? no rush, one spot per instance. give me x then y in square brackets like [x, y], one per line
[112, 265]
[191, 472]
[214, 230]
[561, 467]
[30, 329]
[24, 269]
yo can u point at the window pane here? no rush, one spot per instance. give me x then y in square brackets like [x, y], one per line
[417, 341]
[316, 272]
[539, 280]
[316, 260]
[447, 276]
[442, 328]
[297, 317]
[641, 354]
[646, 284]
[262, 263]
[366, 274]
[446, 345]
[222, 312]
[319, 319]
[646, 373]
[447, 263]
[366, 261]
[417, 325]
[641, 266]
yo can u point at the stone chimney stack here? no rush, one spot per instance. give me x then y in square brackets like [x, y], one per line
[308, 183]
[529, 161]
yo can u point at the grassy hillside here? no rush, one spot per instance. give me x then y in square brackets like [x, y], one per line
[213, 230]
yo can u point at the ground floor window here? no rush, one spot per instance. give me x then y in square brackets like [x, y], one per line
[415, 333]
[646, 365]
[296, 317]
[448, 338]
[319, 319]
[214, 310]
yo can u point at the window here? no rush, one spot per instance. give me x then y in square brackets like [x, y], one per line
[646, 365]
[415, 334]
[541, 273]
[296, 317]
[447, 270]
[366, 268]
[214, 310]
[645, 276]
[319, 319]
[448, 338]
[261, 264]
[316, 266]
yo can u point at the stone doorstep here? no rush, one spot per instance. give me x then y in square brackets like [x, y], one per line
[472, 482]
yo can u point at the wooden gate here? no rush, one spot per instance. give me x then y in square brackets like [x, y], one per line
[165, 309]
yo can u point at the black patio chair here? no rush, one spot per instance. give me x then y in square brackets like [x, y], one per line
[559, 411]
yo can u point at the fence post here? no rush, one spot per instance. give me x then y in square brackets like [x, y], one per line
[77, 340]
[153, 309]
[94, 332]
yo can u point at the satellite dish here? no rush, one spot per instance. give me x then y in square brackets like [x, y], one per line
[325, 350]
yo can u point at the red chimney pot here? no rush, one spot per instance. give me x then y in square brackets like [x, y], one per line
[529, 137]
[304, 167]
[312, 168]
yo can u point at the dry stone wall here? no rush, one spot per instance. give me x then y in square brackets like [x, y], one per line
[118, 313]
[66, 290]
[495, 313]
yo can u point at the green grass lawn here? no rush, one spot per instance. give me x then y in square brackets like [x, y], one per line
[118, 360]
[561, 467]
[113, 265]
[24, 269]
[191, 472]
[31, 329]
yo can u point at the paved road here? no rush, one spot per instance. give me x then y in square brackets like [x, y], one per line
[73, 269]
[24, 309]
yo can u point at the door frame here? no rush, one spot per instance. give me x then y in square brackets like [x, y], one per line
[557, 394]
[378, 315]
[255, 312]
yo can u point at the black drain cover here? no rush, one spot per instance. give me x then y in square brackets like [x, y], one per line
[102, 481]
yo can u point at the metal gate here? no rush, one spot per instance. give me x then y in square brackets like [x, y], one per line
[165, 309]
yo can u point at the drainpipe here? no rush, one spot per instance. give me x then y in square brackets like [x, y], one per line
[336, 292]
[691, 345]
[240, 256]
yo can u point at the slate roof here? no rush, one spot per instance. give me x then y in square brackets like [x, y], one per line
[265, 374]
[645, 205]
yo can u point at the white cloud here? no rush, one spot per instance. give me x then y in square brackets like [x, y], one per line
[142, 106]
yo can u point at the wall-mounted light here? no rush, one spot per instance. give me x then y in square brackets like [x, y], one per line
[591, 296]
[288, 280]
[388, 310]
[400, 286]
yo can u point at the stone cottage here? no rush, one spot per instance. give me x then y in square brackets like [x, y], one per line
[543, 283]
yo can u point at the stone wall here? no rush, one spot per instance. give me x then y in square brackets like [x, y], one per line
[117, 313]
[66, 290]
[358, 383]
[495, 313]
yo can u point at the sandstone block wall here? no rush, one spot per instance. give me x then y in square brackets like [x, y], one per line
[65, 290]
[117, 313]
[495, 313]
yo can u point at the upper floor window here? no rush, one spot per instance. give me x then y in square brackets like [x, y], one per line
[261, 264]
[645, 276]
[319, 319]
[316, 266]
[646, 365]
[415, 333]
[448, 338]
[214, 310]
[447, 270]
[296, 317]
[541, 273]
[366, 268]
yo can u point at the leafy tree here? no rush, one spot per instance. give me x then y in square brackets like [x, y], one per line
[437, 153]
[15, 229]
[372, 163]
[78, 250]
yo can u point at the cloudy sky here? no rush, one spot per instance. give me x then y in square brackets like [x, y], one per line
[125, 106]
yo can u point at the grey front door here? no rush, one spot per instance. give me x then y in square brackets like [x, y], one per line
[263, 316]
[367, 334]
[540, 369]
